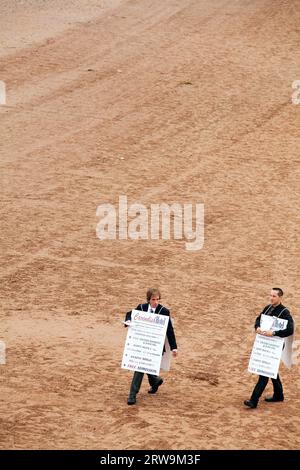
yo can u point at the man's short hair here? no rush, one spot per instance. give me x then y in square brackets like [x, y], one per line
[280, 291]
[153, 291]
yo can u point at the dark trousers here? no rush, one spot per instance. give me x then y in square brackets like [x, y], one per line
[137, 381]
[261, 385]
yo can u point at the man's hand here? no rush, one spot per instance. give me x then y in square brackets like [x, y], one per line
[174, 352]
[127, 323]
[268, 333]
[264, 332]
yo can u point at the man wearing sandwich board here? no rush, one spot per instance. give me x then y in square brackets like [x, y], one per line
[149, 344]
[275, 329]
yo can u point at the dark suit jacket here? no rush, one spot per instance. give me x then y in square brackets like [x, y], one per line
[161, 310]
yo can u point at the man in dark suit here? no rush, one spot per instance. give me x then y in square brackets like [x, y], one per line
[275, 309]
[152, 306]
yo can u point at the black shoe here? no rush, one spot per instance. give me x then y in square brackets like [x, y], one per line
[272, 399]
[250, 403]
[154, 388]
[131, 401]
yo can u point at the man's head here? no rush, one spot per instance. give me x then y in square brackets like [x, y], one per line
[153, 297]
[276, 296]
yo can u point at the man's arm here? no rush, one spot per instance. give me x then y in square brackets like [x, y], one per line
[289, 330]
[128, 314]
[171, 333]
[127, 318]
[257, 321]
